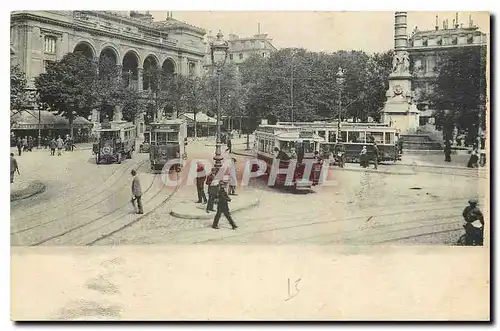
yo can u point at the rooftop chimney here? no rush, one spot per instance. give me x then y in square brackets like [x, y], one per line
[454, 24]
[471, 24]
[456, 21]
[258, 29]
[437, 26]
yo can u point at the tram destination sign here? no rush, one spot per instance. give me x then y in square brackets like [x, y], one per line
[306, 134]
[166, 127]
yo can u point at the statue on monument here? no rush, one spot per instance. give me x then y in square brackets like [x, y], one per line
[401, 63]
[395, 62]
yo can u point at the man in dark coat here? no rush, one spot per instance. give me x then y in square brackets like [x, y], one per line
[472, 214]
[212, 189]
[200, 182]
[447, 151]
[136, 192]
[375, 155]
[223, 207]
[19, 146]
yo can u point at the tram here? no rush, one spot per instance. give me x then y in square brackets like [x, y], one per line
[115, 141]
[167, 141]
[292, 146]
[353, 136]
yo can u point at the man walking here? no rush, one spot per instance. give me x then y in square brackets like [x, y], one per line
[447, 151]
[60, 144]
[53, 146]
[136, 192]
[13, 167]
[212, 189]
[375, 155]
[229, 145]
[200, 182]
[223, 208]
[19, 146]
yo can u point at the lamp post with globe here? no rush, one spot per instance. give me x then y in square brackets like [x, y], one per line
[219, 50]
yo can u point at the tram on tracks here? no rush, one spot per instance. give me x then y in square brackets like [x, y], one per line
[167, 141]
[115, 142]
[353, 136]
[292, 147]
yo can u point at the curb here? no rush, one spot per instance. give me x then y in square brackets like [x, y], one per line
[209, 216]
[242, 154]
[34, 188]
[439, 166]
[371, 170]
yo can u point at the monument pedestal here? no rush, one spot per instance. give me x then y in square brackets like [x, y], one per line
[399, 112]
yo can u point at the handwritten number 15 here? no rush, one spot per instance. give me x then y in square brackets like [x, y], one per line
[290, 295]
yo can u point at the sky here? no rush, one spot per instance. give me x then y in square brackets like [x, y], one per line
[320, 31]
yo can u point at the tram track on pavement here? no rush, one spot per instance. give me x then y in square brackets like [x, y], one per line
[364, 216]
[87, 195]
[55, 198]
[72, 237]
[83, 206]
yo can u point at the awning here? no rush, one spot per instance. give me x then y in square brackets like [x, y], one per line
[28, 120]
[201, 118]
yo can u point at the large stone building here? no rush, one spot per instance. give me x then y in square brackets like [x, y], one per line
[133, 40]
[426, 48]
[241, 49]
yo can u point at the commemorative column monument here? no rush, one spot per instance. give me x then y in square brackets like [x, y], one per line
[399, 110]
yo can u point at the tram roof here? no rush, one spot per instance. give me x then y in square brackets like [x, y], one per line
[178, 121]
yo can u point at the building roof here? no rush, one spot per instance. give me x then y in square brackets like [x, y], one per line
[200, 118]
[28, 119]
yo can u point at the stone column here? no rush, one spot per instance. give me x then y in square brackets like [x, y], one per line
[327, 135]
[139, 78]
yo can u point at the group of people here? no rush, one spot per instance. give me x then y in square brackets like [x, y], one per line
[25, 144]
[217, 191]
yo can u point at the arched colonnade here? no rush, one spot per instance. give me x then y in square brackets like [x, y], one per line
[135, 71]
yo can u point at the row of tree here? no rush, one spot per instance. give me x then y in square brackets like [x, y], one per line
[291, 84]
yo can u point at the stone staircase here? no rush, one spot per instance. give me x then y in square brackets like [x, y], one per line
[420, 142]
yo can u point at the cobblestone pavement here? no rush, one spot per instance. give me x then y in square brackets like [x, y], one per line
[86, 204]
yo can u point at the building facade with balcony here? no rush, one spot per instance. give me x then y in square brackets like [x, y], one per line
[241, 49]
[133, 40]
[426, 50]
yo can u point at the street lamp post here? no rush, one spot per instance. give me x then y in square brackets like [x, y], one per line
[219, 50]
[340, 81]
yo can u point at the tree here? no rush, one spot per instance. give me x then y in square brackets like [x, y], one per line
[459, 92]
[66, 87]
[19, 96]
[110, 91]
[304, 84]
[192, 99]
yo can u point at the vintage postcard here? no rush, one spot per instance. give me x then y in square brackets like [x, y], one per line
[170, 165]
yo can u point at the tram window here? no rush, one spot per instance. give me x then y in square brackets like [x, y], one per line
[343, 136]
[378, 137]
[353, 137]
[172, 136]
[161, 137]
[389, 138]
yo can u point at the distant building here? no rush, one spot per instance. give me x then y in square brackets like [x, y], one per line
[241, 48]
[426, 48]
[133, 40]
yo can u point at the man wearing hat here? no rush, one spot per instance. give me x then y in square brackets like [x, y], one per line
[223, 207]
[200, 182]
[213, 186]
[474, 224]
